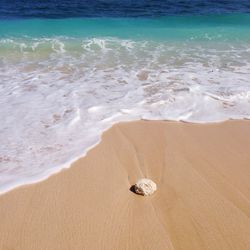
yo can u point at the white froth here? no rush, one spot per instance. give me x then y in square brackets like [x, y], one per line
[57, 96]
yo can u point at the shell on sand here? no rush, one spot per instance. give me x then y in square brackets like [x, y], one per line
[145, 187]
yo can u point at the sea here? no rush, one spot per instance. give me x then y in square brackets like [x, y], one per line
[70, 69]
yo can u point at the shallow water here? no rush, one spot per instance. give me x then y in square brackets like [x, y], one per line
[64, 81]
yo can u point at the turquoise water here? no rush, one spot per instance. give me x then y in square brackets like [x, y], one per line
[64, 81]
[218, 27]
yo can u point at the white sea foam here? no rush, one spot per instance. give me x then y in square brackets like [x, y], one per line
[57, 96]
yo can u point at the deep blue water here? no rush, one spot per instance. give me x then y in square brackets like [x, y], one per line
[117, 8]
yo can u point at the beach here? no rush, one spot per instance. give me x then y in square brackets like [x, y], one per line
[97, 96]
[202, 172]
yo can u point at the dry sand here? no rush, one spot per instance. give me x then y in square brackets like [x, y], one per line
[202, 201]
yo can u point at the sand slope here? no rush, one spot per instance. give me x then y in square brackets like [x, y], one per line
[202, 202]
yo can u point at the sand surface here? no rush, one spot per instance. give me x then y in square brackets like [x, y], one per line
[202, 201]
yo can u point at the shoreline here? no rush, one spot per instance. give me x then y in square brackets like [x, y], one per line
[69, 163]
[202, 202]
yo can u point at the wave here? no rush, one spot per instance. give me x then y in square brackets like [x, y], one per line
[58, 94]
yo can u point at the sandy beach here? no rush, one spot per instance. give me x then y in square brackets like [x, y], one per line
[202, 202]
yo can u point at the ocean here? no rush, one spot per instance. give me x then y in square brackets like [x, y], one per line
[69, 70]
